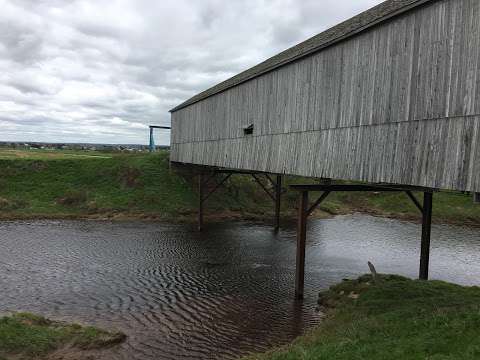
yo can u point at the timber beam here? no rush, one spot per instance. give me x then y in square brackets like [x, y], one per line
[358, 187]
[237, 172]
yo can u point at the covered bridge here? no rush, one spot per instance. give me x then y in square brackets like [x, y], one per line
[391, 96]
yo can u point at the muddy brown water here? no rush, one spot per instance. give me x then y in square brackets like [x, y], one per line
[221, 294]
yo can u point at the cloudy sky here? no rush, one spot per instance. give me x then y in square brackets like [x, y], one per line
[102, 70]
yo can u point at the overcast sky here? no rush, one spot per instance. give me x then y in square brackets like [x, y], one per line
[102, 70]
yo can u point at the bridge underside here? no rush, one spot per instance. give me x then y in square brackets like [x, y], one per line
[210, 179]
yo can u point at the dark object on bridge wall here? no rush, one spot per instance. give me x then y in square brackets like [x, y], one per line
[388, 96]
[476, 198]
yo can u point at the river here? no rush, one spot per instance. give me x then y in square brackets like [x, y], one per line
[228, 291]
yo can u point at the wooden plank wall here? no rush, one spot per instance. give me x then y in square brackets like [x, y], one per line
[399, 103]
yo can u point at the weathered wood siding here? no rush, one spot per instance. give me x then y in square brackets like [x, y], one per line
[398, 103]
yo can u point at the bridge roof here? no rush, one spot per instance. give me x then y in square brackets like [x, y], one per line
[342, 31]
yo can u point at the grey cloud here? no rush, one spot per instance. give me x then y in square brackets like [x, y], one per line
[101, 71]
[22, 44]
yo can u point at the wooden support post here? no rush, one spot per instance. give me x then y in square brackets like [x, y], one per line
[278, 201]
[200, 202]
[301, 242]
[426, 234]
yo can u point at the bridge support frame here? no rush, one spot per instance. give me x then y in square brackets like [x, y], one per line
[305, 210]
[476, 198]
[205, 179]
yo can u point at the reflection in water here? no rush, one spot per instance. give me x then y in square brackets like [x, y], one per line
[220, 294]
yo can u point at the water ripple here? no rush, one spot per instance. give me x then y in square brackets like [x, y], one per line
[183, 295]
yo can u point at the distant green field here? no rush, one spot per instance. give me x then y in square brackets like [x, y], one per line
[52, 183]
[48, 154]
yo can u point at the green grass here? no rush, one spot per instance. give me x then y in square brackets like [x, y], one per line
[11, 154]
[46, 183]
[398, 318]
[113, 184]
[29, 336]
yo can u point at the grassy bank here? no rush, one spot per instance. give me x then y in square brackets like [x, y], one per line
[395, 319]
[28, 336]
[69, 184]
[59, 185]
